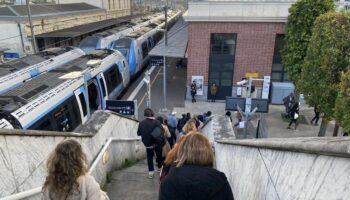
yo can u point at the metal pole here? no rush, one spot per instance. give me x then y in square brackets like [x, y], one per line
[31, 27]
[166, 24]
[164, 80]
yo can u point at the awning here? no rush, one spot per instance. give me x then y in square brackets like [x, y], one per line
[86, 28]
[177, 42]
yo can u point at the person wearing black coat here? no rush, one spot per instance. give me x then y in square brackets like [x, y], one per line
[193, 177]
[144, 130]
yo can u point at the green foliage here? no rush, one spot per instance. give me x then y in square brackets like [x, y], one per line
[299, 30]
[327, 57]
[342, 105]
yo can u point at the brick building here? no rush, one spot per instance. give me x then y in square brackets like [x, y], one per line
[229, 40]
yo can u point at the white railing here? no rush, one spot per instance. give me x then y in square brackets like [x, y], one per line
[35, 191]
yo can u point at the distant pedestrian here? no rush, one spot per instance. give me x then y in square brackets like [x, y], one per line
[213, 92]
[181, 122]
[188, 116]
[316, 117]
[145, 130]
[193, 91]
[68, 176]
[194, 177]
[228, 114]
[206, 116]
[294, 114]
[172, 128]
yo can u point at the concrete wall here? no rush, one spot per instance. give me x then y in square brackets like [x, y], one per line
[106, 4]
[23, 154]
[288, 169]
[240, 10]
[10, 37]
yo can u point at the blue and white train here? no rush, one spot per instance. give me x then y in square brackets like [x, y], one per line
[103, 40]
[14, 73]
[136, 45]
[57, 100]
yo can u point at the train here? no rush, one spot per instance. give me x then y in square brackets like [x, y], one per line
[57, 100]
[103, 40]
[14, 73]
[61, 98]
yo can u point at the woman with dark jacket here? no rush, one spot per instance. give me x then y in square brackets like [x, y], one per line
[194, 177]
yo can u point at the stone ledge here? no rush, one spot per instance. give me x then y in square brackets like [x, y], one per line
[331, 146]
[21, 132]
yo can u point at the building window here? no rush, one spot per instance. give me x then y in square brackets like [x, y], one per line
[278, 73]
[221, 63]
[223, 43]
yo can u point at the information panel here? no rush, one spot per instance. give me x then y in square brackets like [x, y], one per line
[156, 61]
[121, 107]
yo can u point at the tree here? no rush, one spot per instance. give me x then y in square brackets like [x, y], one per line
[301, 19]
[327, 57]
[342, 105]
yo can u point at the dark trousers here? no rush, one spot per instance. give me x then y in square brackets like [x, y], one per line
[316, 118]
[150, 155]
[193, 97]
[172, 139]
[293, 121]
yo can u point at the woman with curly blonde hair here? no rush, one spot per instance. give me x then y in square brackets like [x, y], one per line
[67, 175]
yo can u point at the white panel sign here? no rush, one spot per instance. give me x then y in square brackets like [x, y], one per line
[266, 87]
[199, 80]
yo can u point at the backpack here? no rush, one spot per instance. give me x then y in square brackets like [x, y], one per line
[158, 135]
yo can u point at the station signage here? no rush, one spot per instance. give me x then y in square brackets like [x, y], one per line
[121, 107]
[156, 61]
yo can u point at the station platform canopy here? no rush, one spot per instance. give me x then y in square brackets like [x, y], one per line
[177, 42]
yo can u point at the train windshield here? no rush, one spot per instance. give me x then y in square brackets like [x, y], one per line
[89, 42]
[123, 50]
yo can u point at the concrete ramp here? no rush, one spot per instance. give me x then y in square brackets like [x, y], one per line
[23, 154]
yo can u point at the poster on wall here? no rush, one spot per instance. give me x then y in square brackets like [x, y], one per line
[199, 80]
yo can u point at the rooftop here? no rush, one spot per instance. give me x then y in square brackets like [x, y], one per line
[38, 11]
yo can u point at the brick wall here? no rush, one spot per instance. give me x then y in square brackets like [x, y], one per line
[254, 47]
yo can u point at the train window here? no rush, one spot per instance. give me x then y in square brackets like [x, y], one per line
[113, 78]
[94, 100]
[103, 87]
[65, 116]
[144, 49]
[43, 124]
[83, 103]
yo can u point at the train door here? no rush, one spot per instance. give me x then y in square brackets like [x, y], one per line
[102, 85]
[150, 43]
[80, 97]
[94, 96]
[123, 70]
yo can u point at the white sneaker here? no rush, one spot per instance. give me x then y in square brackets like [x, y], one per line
[158, 169]
[150, 174]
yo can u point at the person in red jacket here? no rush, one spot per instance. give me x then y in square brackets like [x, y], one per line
[194, 177]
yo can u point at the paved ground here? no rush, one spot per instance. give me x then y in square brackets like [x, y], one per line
[176, 87]
[133, 184]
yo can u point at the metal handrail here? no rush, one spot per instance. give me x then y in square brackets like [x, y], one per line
[34, 191]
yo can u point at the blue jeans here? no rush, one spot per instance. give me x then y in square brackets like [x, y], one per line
[159, 158]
